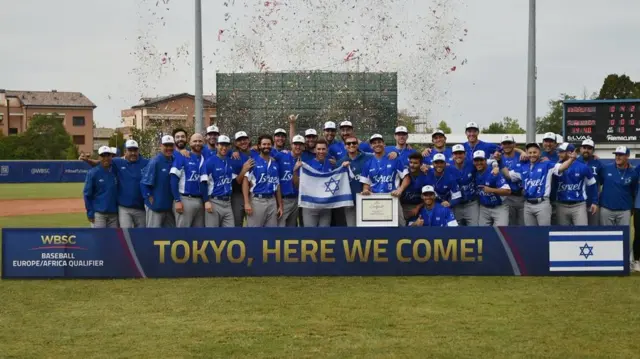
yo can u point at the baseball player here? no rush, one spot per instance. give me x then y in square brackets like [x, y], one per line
[474, 144]
[186, 186]
[594, 164]
[155, 186]
[180, 138]
[316, 217]
[619, 185]
[242, 160]
[280, 139]
[401, 149]
[212, 139]
[467, 210]
[357, 160]
[549, 145]
[492, 189]
[536, 178]
[218, 174]
[445, 181]
[288, 189]
[310, 137]
[510, 159]
[339, 149]
[261, 188]
[101, 192]
[439, 140]
[411, 199]
[574, 185]
[382, 174]
[329, 133]
[433, 214]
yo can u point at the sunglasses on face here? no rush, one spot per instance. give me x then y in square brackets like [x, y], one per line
[351, 143]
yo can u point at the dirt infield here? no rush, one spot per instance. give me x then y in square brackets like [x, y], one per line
[23, 207]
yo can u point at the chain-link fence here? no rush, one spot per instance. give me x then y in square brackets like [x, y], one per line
[261, 102]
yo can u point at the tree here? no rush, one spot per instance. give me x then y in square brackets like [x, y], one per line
[47, 139]
[444, 127]
[406, 120]
[116, 140]
[552, 121]
[507, 125]
[619, 87]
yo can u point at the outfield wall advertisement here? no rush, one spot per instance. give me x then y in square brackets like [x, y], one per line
[43, 171]
[206, 252]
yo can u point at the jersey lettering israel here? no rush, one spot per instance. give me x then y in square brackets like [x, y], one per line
[536, 178]
[446, 185]
[488, 148]
[438, 216]
[187, 169]
[286, 163]
[413, 193]
[382, 175]
[403, 154]
[264, 177]
[488, 179]
[448, 155]
[466, 180]
[576, 184]
[619, 185]
[219, 174]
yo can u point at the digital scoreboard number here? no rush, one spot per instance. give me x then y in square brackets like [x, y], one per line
[603, 121]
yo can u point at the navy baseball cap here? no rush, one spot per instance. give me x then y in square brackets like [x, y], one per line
[532, 144]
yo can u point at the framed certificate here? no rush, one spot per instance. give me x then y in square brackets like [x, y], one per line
[377, 210]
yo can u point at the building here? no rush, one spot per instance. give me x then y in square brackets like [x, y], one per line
[101, 137]
[75, 109]
[168, 112]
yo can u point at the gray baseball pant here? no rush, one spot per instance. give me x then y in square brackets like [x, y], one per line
[192, 213]
[237, 206]
[105, 220]
[220, 216]
[572, 214]
[516, 210]
[467, 214]
[614, 218]
[163, 219]
[265, 212]
[593, 219]
[289, 213]
[350, 216]
[494, 216]
[131, 217]
[538, 214]
[315, 217]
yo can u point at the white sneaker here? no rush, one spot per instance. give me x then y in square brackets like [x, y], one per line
[635, 266]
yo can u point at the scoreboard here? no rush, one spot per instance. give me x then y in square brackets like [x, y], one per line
[603, 121]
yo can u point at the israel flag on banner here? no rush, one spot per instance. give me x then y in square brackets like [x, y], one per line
[324, 189]
[586, 251]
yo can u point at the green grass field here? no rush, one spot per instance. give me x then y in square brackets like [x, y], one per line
[40, 190]
[350, 317]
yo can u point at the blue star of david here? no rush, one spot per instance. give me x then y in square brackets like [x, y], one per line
[332, 186]
[586, 251]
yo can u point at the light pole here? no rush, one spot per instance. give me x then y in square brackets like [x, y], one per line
[531, 75]
[199, 110]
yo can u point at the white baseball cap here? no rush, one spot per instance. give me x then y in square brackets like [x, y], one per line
[457, 148]
[401, 129]
[507, 138]
[329, 125]
[549, 136]
[479, 154]
[310, 132]
[438, 157]
[224, 139]
[428, 189]
[104, 149]
[559, 138]
[346, 124]
[297, 139]
[279, 130]
[131, 144]
[376, 136]
[438, 132]
[239, 135]
[588, 143]
[114, 150]
[168, 140]
[566, 147]
[213, 129]
[471, 125]
[621, 150]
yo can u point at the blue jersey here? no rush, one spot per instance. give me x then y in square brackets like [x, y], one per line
[237, 167]
[487, 179]
[448, 155]
[324, 166]
[552, 156]
[338, 150]
[264, 177]
[438, 216]
[577, 184]
[536, 178]
[594, 165]
[382, 175]
[403, 154]
[207, 152]
[307, 156]
[488, 148]
[356, 165]
[412, 194]
[155, 182]
[185, 176]
[446, 185]
[511, 163]
[365, 147]
[286, 163]
[466, 180]
[129, 175]
[100, 191]
[219, 174]
[619, 185]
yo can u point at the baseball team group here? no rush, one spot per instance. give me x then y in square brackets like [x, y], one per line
[218, 181]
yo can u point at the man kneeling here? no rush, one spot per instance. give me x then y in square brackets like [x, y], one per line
[433, 214]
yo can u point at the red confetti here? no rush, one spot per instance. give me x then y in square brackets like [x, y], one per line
[220, 32]
[447, 49]
[350, 55]
[164, 60]
[267, 3]
[453, 68]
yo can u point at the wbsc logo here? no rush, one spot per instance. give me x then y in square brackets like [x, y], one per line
[4, 170]
[39, 171]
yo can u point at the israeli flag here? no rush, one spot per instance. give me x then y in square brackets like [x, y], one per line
[324, 190]
[586, 251]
